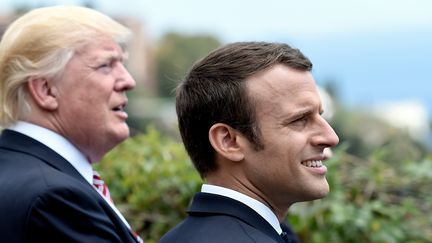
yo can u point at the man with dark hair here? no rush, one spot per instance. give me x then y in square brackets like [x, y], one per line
[250, 118]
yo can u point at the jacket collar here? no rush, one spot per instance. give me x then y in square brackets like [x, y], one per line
[211, 204]
[19, 142]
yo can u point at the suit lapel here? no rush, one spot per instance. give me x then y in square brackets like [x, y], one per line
[19, 142]
[207, 203]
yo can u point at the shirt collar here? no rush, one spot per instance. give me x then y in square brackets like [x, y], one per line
[59, 144]
[256, 205]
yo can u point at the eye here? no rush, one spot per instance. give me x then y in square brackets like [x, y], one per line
[105, 67]
[301, 119]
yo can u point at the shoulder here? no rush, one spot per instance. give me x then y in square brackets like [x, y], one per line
[25, 175]
[70, 212]
[41, 198]
[28, 183]
[212, 229]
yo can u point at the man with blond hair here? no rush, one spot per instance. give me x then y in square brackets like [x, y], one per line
[62, 100]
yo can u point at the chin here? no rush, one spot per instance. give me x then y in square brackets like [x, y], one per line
[323, 192]
[320, 191]
[122, 137]
[122, 132]
[313, 194]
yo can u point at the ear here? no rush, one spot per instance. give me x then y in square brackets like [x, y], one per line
[224, 140]
[43, 93]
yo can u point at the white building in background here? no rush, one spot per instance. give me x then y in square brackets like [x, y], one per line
[409, 115]
[327, 103]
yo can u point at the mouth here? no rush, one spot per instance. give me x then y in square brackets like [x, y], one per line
[316, 165]
[313, 163]
[119, 108]
[120, 111]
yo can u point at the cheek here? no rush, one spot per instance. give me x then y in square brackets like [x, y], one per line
[93, 96]
[286, 153]
[283, 144]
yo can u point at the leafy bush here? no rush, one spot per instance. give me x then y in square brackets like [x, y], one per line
[372, 200]
[151, 181]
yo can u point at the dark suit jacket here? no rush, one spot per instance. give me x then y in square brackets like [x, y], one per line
[218, 219]
[44, 199]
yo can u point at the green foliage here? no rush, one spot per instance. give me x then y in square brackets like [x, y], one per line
[175, 55]
[151, 181]
[377, 199]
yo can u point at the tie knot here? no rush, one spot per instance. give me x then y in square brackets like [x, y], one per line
[97, 180]
[96, 174]
[100, 186]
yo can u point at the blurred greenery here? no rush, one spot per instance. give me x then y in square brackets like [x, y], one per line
[175, 55]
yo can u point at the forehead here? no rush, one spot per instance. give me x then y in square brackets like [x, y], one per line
[99, 49]
[282, 89]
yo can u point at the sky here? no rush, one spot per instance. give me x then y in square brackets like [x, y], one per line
[376, 51]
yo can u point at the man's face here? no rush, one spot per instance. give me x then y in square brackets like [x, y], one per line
[294, 134]
[91, 94]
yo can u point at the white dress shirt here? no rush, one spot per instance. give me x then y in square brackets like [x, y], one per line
[256, 205]
[65, 149]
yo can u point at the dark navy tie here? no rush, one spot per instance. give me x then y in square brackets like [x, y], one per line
[284, 236]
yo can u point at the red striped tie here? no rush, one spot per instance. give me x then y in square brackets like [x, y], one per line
[100, 185]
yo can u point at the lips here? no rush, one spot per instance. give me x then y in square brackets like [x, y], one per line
[119, 110]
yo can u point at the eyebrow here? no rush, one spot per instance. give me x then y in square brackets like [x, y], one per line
[303, 112]
[300, 113]
[112, 55]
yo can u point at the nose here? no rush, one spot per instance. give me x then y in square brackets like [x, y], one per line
[325, 136]
[124, 81]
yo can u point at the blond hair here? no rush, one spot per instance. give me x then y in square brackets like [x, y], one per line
[40, 44]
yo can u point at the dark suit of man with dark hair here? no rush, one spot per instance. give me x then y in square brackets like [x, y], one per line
[216, 219]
